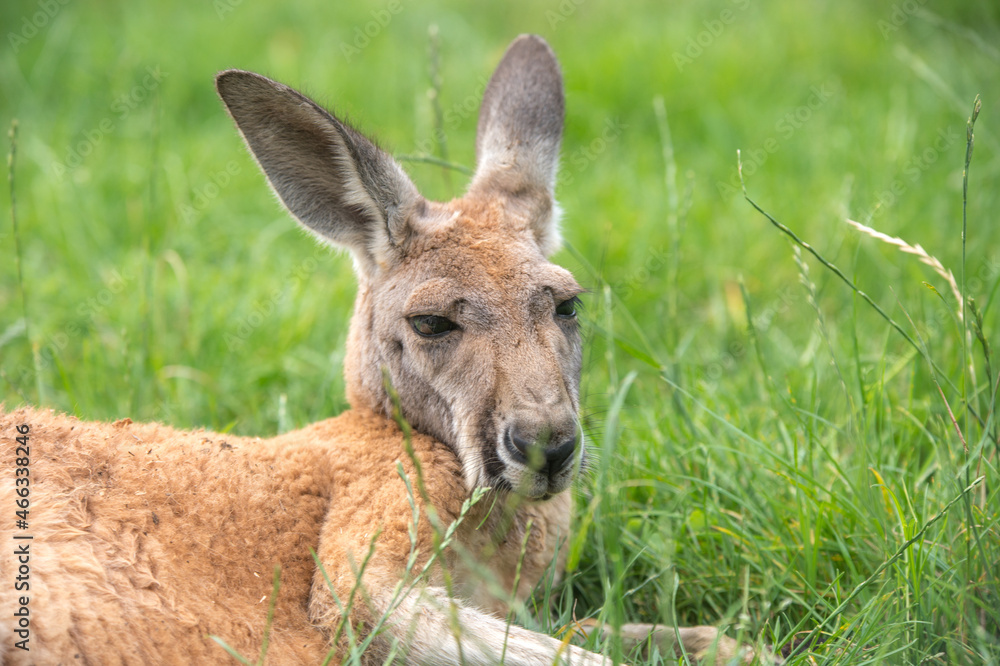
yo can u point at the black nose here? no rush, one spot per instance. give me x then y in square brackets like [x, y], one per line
[552, 459]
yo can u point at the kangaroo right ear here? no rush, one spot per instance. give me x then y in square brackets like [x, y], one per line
[336, 182]
[517, 141]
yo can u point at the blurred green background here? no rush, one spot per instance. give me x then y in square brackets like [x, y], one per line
[759, 430]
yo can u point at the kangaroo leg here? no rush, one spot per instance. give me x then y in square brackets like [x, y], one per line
[438, 630]
[707, 645]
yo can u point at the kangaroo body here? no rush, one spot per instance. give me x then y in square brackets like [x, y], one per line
[148, 541]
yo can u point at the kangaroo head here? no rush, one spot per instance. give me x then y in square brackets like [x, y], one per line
[457, 301]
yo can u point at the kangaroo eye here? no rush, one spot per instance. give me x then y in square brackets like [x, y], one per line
[431, 326]
[567, 308]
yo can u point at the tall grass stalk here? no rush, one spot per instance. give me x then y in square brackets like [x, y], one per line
[434, 94]
[900, 552]
[35, 356]
[840, 274]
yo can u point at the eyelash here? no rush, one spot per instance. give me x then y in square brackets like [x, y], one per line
[432, 326]
[572, 304]
[435, 326]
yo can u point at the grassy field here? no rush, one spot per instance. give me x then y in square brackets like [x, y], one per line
[773, 453]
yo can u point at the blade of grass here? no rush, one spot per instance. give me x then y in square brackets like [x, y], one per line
[11, 164]
[836, 271]
[270, 615]
[437, 161]
[889, 562]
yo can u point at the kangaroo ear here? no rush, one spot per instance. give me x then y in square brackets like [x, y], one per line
[520, 128]
[336, 182]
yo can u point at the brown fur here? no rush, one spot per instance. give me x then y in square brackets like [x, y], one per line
[178, 533]
[148, 540]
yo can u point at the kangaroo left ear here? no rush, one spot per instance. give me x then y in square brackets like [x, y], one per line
[336, 182]
[520, 129]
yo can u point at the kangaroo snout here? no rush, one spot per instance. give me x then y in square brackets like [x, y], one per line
[540, 454]
[547, 458]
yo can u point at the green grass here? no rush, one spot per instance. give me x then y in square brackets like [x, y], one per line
[765, 441]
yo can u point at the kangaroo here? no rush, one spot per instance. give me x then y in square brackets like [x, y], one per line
[145, 542]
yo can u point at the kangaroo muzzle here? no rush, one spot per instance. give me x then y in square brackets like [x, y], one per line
[541, 456]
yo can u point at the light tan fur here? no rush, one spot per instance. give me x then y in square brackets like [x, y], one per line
[148, 540]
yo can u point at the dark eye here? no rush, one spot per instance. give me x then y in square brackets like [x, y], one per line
[431, 326]
[567, 308]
